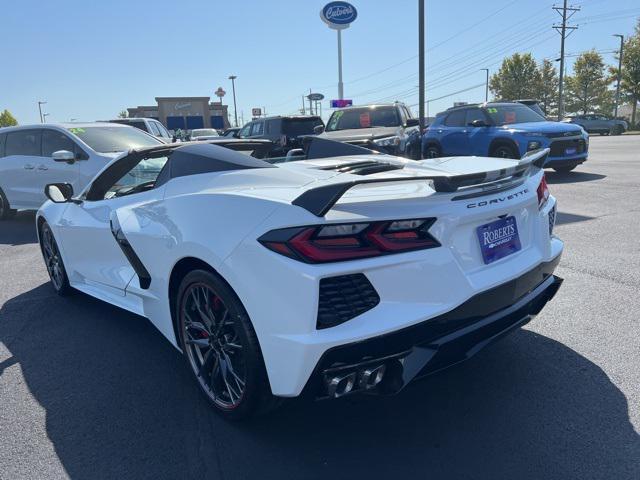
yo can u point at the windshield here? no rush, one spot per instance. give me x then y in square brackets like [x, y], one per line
[204, 132]
[299, 126]
[105, 139]
[366, 117]
[140, 178]
[508, 114]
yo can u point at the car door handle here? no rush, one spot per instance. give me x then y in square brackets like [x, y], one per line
[28, 166]
[43, 167]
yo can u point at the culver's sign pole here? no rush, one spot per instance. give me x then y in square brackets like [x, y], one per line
[339, 15]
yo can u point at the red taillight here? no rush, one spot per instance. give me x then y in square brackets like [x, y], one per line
[337, 242]
[543, 192]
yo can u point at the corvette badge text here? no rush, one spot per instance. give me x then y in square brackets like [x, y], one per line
[484, 203]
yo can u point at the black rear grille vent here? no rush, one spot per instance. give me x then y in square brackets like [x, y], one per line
[343, 298]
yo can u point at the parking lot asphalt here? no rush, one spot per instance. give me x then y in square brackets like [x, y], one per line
[90, 391]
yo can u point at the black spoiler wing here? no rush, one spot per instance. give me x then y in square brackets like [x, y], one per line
[321, 199]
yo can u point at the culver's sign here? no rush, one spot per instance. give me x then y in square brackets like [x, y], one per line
[338, 15]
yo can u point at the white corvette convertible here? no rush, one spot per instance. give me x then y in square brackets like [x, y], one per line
[342, 272]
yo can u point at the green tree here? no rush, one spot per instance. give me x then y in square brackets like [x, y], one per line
[518, 77]
[630, 80]
[547, 92]
[123, 114]
[7, 120]
[587, 89]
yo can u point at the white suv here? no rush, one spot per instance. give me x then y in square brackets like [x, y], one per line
[35, 155]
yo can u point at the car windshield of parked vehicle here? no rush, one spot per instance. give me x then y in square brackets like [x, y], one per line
[140, 178]
[204, 132]
[367, 117]
[294, 127]
[508, 114]
[105, 139]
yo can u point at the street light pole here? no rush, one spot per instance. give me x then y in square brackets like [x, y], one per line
[40, 110]
[615, 113]
[340, 84]
[233, 87]
[44, 117]
[486, 85]
[421, 66]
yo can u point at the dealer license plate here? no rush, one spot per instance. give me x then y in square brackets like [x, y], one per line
[498, 239]
[571, 151]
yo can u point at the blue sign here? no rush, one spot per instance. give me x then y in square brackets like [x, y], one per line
[341, 103]
[338, 15]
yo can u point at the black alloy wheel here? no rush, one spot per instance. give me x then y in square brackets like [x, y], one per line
[432, 151]
[221, 347]
[504, 151]
[53, 261]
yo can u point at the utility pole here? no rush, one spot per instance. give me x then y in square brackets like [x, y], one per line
[421, 66]
[40, 110]
[615, 113]
[233, 87]
[486, 85]
[566, 13]
[309, 97]
[304, 108]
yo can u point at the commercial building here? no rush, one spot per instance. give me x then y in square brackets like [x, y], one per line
[184, 113]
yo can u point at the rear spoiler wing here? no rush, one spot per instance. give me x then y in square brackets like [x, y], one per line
[321, 199]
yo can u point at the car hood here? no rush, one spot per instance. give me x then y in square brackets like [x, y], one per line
[544, 127]
[356, 134]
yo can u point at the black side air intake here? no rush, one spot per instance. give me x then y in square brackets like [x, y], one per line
[343, 298]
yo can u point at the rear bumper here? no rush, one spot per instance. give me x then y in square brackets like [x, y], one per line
[439, 342]
[565, 161]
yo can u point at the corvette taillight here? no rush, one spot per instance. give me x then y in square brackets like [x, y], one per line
[350, 241]
[543, 192]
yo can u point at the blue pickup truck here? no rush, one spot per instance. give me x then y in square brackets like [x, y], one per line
[507, 130]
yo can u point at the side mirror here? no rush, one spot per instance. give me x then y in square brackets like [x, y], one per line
[63, 156]
[479, 123]
[413, 122]
[59, 192]
[318, 129]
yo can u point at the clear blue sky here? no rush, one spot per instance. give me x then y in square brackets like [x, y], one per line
[91, 59]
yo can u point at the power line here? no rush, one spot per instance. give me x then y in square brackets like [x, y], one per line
[452, 94]
[567, 13]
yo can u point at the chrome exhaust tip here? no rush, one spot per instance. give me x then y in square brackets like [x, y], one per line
[371, 377]
[341, 385]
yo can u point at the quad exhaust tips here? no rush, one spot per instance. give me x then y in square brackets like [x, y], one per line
[358, 380]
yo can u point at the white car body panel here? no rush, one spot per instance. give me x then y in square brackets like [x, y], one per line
[218, 217]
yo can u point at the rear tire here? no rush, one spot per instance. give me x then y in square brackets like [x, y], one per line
[221, 347]
[6, 212]
[53, 261]
[503, 151]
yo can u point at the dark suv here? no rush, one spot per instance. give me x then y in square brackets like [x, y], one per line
[388, 128]
[598, 123]
[282, 131]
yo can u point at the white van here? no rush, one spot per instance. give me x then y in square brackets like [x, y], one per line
[33, 156]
